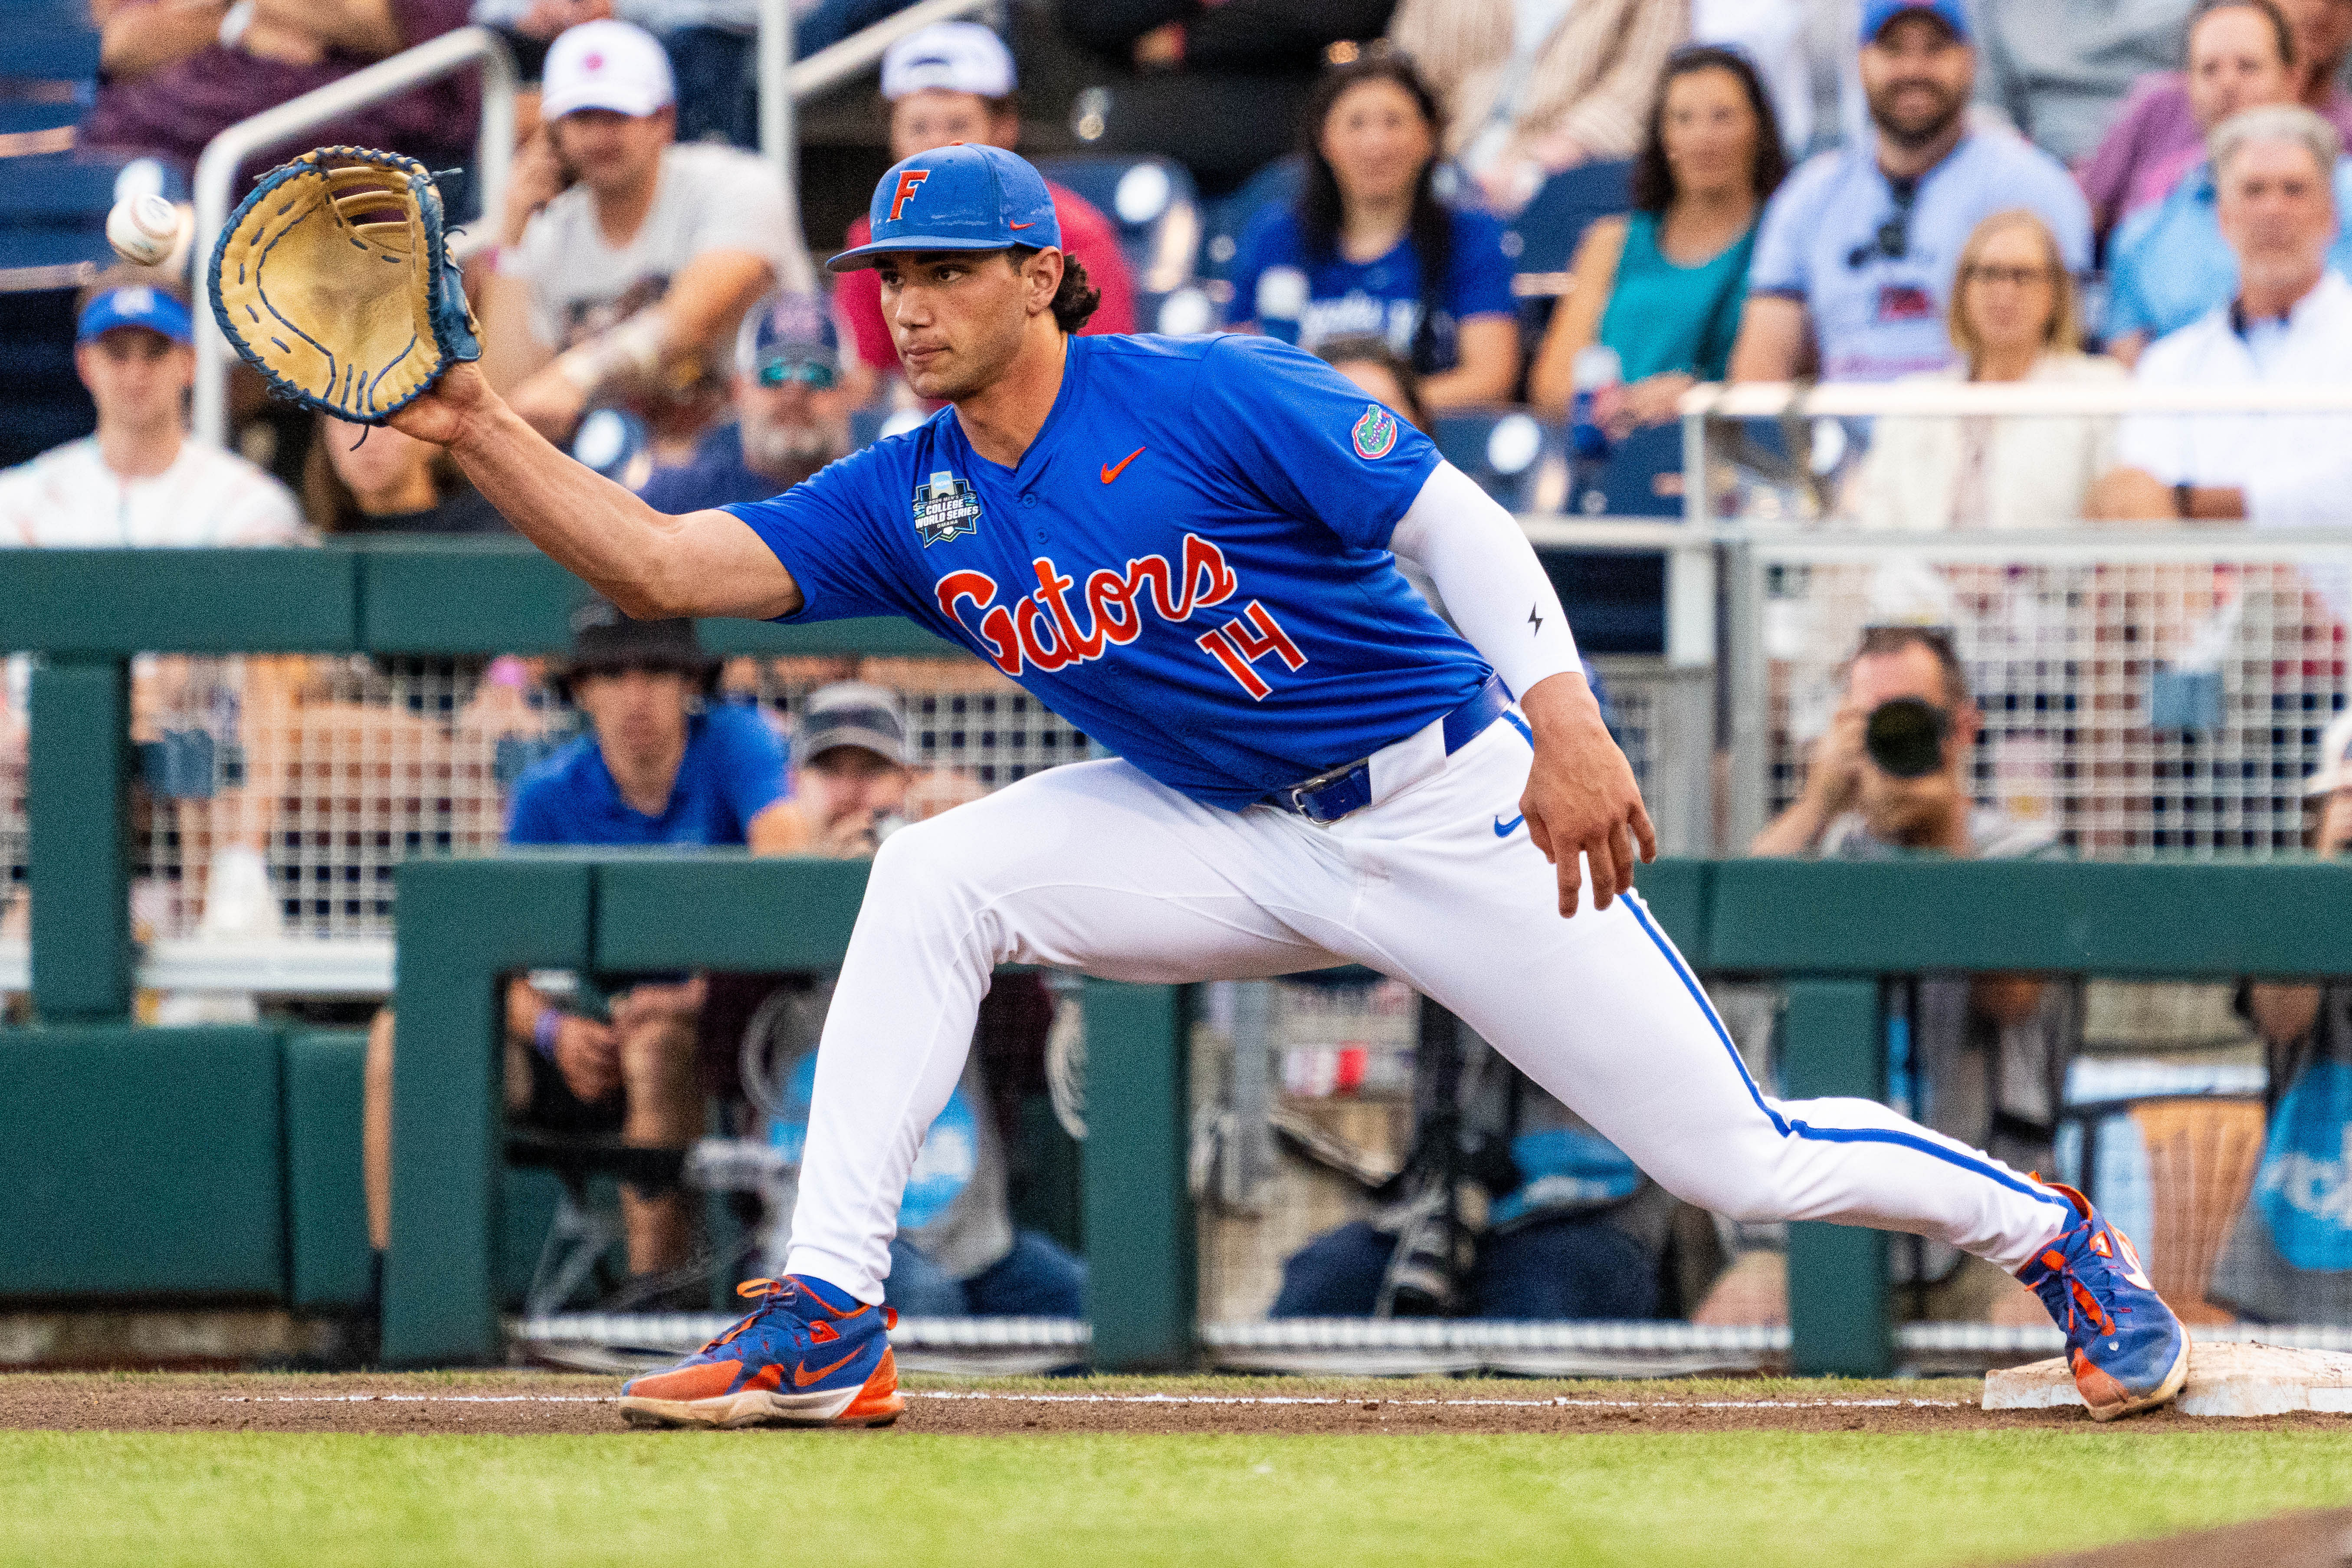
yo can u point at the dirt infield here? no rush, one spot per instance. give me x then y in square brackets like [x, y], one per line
[2317, 1540]
[528, 1403]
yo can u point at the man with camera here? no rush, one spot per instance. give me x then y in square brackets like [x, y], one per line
[1981, 1057]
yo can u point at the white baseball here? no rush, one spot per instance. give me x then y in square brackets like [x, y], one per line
[144, 229]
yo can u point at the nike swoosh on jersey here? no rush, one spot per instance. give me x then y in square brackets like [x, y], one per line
[802, 1376]
[1113, 471]
[1504, 829]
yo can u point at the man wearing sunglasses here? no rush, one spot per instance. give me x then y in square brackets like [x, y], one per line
[1855, 254]
[792, 393]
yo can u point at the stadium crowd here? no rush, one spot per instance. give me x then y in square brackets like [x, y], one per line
[1937, 191]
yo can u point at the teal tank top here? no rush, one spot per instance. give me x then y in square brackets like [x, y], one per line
[1662, 317]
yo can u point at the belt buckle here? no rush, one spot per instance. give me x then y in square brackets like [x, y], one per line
[1297, 794]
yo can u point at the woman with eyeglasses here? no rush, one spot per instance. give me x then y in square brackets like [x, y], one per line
[1664, 286]
[2012, 318]
[1370, 250]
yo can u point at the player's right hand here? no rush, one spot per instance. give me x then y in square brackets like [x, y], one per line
[1581, 799]
[439, 413]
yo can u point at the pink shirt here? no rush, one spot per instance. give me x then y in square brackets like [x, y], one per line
[2155, 140]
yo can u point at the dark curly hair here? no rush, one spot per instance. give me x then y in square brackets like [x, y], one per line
[1654, 179]
[1320, 211]
[1074, 301]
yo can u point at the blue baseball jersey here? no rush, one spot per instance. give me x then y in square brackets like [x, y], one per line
[1190, 562]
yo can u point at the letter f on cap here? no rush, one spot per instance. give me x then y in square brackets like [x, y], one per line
[907, 183]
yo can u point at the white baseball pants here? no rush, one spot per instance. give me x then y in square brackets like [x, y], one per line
[1096, 868]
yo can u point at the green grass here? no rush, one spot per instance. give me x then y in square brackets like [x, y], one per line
[1744, 1499]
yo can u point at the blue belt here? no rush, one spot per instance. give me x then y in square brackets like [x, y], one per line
[1329, 796]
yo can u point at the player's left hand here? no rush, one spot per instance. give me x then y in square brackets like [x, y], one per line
[1580, 797]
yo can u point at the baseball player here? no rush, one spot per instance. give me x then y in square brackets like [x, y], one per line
[1185, 548]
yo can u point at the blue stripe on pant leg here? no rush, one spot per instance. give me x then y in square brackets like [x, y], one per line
[1831, 1134]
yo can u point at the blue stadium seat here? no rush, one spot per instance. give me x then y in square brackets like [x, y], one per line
[1543, 238]
[1157, 210]
[1505, 451]
[1276, 185]
[1626, 484]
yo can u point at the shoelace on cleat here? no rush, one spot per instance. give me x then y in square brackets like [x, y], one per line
[2082, 1296]
[769, 1294]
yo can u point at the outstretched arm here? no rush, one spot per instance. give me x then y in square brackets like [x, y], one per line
[1581, 798]
[648, 563]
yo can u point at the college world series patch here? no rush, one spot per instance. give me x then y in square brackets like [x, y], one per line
[946, 509]
[1375, 433]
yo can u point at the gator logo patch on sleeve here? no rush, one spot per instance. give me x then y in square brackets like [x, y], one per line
[946, 509]
[1376, 433]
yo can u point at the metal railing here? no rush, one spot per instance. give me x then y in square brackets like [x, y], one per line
[216, 170]
[1759, 560]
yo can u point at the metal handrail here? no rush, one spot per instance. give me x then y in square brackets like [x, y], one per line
[1800, 399]
[216, 170]
[836, 63]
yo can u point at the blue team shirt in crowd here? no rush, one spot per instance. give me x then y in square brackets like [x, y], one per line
[1190, 564]
[1306, 299]
[716, 475]
[2168, 264]
[732, 770]
[1877, 317]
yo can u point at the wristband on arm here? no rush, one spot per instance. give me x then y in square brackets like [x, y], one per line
[544, 1032]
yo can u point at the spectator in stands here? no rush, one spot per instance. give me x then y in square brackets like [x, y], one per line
[2059, 69]
[372, 480]
[793, 398]
[2289, 1258]
[2161, 132]
[1370, 249]
[626, 287]
[1381, 372]
[1988, 1052]
[1664, 286]
[710, 44]
[139, 481]
[2012, 319]
[658, 766]
[1531, 90]
[2291, 323]
[1855, 259]
[174, 75]
[957, 1253]
[2168, 263]
[954, 82]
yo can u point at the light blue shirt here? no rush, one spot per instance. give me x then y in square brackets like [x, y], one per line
[1877, 317]
[2168, 265]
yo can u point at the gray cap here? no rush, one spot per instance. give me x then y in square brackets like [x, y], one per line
[851, 713]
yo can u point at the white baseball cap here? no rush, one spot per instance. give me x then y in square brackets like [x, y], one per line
[605, 64]
[959, 57]
[2334, 769]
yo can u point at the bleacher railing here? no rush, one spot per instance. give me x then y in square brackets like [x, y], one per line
[2148, 690]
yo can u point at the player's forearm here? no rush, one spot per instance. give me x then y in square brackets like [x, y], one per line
[595, 529]
[1487, 572]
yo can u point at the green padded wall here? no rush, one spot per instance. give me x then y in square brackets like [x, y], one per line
[326, 1202]
[138, 1162]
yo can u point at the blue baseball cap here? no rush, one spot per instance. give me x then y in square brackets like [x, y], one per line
[136, 306]
[1876, 14]
[958, 197]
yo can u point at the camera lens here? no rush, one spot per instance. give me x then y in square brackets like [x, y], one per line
[1905, 737]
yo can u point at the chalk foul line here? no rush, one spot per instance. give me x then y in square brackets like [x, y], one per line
[1381, 1401]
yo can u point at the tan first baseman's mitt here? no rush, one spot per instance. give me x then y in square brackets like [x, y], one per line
[334, 280]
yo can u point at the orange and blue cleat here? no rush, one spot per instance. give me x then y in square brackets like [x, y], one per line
[809, 1356]
[2127, 1350]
